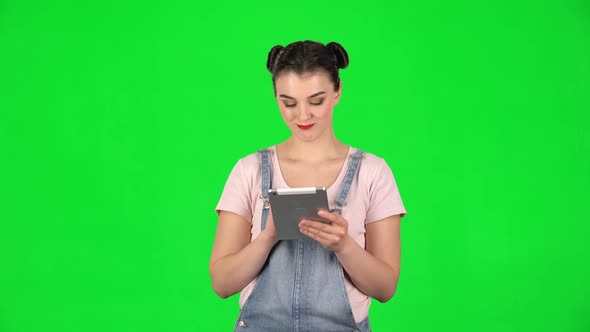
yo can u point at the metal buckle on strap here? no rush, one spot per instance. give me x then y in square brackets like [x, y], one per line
[338, 208]
[340, 205]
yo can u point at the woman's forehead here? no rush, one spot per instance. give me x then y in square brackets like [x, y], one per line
[295, 84]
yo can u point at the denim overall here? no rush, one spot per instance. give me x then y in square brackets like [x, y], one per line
[301, 286]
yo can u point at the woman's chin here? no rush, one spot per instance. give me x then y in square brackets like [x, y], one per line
[305, 137]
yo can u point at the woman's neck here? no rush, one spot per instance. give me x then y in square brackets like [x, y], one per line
[324, 148]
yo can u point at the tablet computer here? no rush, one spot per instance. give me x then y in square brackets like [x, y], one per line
[290, 205]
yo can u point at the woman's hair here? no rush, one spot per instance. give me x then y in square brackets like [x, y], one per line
[307, 56]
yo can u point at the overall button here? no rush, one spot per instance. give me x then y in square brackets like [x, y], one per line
[242, 324]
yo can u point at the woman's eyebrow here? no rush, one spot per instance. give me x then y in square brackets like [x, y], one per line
[314, 95]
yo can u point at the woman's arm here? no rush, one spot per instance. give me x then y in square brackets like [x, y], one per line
[374, 271]
[235, 261]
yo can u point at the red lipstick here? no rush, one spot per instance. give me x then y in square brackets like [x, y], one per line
[306, 126]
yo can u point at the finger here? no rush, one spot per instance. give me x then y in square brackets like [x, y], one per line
[313, 237]
[319, 235]
[322, 226]
[328, 231]
[333, 217]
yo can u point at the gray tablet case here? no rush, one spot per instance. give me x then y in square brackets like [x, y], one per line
[289, 206]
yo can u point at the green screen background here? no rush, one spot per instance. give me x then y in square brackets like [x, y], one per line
[120, 122]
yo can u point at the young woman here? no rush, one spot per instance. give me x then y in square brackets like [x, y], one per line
[325, 281]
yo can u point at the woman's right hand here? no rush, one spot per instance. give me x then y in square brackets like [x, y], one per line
[235, 259]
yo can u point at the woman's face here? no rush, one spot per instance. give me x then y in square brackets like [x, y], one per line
[306, 102]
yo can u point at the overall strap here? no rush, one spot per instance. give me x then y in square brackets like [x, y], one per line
[353, 164]
[266, 172]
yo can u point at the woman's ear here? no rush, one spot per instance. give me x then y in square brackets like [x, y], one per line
[338, 93]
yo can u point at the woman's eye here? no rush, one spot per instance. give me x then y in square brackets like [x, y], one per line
[314, 102]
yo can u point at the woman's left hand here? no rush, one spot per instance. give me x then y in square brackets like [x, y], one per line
[333, 236]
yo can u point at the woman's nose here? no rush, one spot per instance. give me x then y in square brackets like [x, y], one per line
[304, 113]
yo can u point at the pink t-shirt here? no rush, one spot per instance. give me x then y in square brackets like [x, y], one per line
[373, 196]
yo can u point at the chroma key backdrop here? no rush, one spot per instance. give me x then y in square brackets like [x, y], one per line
[121, 120]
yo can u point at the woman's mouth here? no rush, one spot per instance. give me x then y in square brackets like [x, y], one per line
[306, 127]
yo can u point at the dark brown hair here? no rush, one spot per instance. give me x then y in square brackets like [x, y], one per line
[307, 56]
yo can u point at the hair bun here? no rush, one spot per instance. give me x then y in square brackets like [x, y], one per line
[273, 57]
[339, 54]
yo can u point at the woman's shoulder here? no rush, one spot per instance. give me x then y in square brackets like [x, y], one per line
[250, 163]
[371, 160]
[373, 166]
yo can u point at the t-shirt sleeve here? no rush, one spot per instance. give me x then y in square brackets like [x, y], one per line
[384, 197]
[236, 194]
